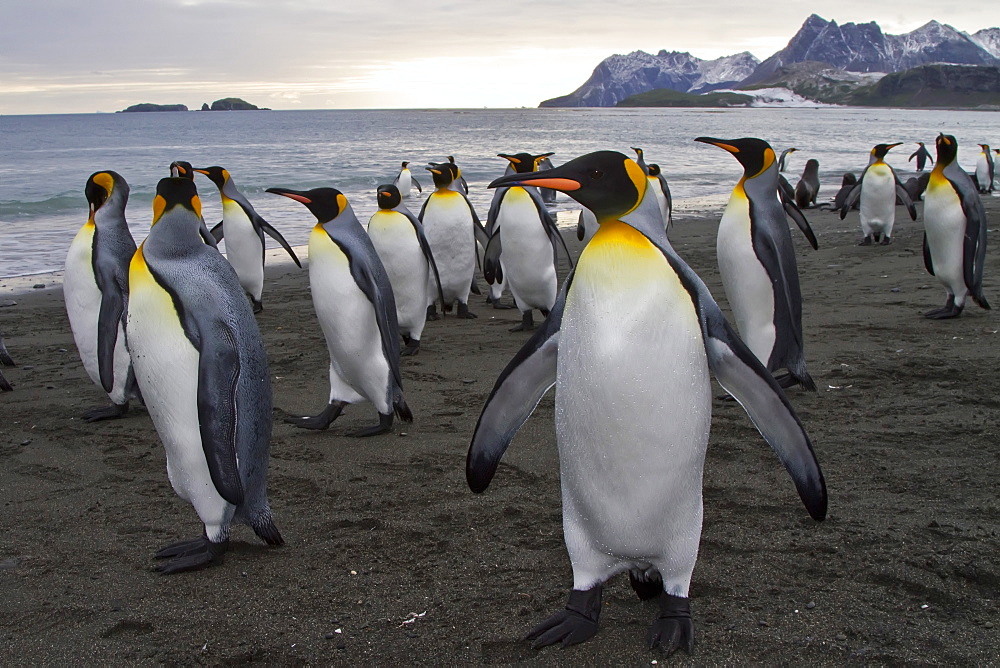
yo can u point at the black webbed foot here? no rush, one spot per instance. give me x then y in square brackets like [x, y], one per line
[464, 312]
[672, 629]
[112, 412]
[384, 426]
[432, 313]
[497, 304]
[574, 624]
[949, 310]
[321, 421]
[646, 587]
[411, 347]
[867, 241]
[191, 555]
[885, 241]
[527, 323]
[257, 306]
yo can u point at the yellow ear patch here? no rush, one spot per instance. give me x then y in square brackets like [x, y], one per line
[637, 176]
[341, 203]
[196, 205]
[769, 160]
[159, 204]
[105, 181]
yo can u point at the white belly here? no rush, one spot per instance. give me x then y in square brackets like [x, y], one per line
[398, 247]
[243, 248]
[983, 172]
[878, 201]
[166, 368]
[747, 284]
[448, 227]
[358, 368]
[83, 308]
[404, 183]
[529, 269]
[632, 417]
[944, 223]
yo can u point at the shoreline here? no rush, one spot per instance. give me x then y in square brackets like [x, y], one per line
[390, 559]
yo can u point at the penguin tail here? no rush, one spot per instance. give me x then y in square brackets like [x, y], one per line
[980, 299]
[402, 410]
[264, 527]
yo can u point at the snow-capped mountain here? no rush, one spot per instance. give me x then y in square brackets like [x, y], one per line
[863, 47]
[989, 39]
[619, 76]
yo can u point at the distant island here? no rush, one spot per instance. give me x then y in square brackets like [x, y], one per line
[225, 104]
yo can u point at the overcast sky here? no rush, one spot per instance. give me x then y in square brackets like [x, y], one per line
[70, 56]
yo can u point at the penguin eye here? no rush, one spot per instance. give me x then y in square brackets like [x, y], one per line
[596, 174]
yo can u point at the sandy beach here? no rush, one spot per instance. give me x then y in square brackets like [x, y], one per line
[390, 559]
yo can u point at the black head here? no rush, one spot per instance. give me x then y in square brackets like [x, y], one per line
[172, 192]
[654, 169]
[388, 196]
[881, 150]
[324, 203]
[756, 155]
[849, 179]
[523, 163]
[216, 174]
[606, 182]
[182, 169]
[443, 173]
[947, 149]
[100, 185]
[405, 163]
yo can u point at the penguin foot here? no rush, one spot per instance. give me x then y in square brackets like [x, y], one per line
[464, 312]
[191, 555]
[574, 624]
[646, 587]
[112, 412]
[257, 306]
[885, 241]
[527, 323]
[412, 347]
[321, 421]
[867, 241]
[384, 426]
[949, 310]
[673, 628]
[432, 313]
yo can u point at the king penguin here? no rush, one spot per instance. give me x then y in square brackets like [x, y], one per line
[660, 187]
[399, 240]
[876, 192]
[985, 169]
[922, 155]
[182, 169]
[523, 249]
[354, 303]
[807, 189]
[200, 361]
[757, 263]
[783, 158]
[95, 291]
[636, 333]
[405, 181]
[243, 229]
[453, 229]
[954, 232]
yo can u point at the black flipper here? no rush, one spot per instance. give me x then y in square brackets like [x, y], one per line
[274, 234]
[928, 262]
[492, 270]
[904, 197]
[520, 387]
[852, 198]
[112, 308]
[218, 373]
[217, 232]
[796, 214]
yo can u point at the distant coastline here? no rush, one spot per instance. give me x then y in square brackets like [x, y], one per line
[225, 104]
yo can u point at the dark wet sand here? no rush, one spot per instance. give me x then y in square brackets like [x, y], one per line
[390, 559]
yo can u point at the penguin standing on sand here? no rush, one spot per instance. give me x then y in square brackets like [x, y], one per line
[954, 232]
[398, 238]
[807, 188]
[876, 192]
[243, 229]
[95, 291]
[757, 263]
[985, 169]
[452, 228]
[524, 244]
[784, 155]
[405, 181]
[635, 332]
[200, 361]
[922, 155]
[356, 310]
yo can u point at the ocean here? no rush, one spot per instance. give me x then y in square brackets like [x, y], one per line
[45, 160]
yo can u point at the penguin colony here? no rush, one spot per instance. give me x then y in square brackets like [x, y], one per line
[171, 323]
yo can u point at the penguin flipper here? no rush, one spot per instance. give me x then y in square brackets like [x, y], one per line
[414, 181]
[785, 189]
[218, 374]
[742, 375]
[928, 261]
[796, 214]
[110, 317]
[974, 241]
[520, 387]
[551, 229]
[425, 246]
[904, 197]
[492, 271]
[851, 199]
[581, 229]
[276, 235]
[482, 236]
[217, 232]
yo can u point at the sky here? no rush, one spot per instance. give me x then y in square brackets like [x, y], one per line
[71, 56]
